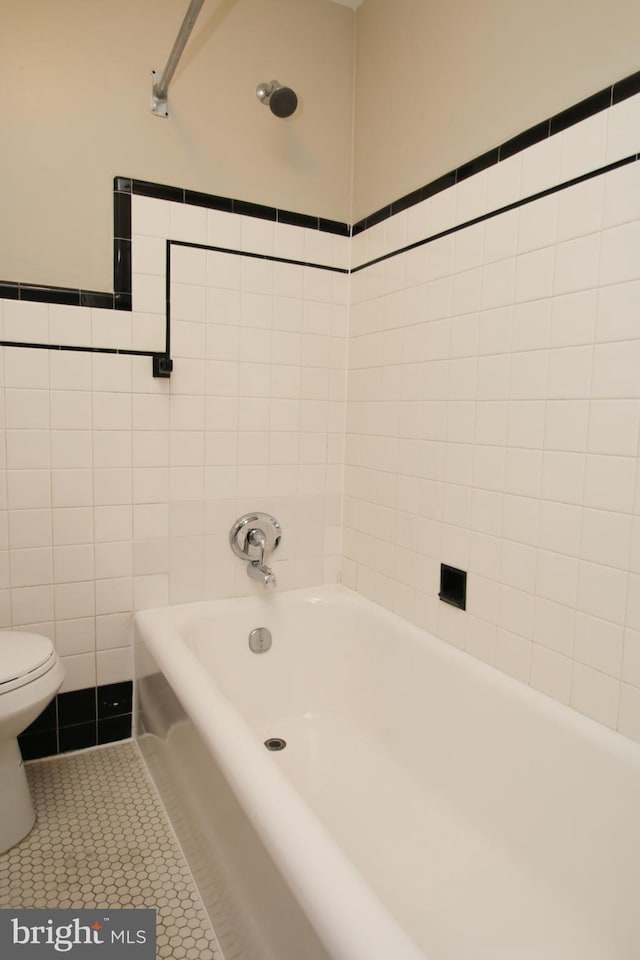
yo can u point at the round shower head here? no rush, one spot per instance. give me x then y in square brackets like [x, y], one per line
[282, 101]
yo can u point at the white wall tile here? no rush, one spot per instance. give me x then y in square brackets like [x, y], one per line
[151, 591]
[28, 489]
[615, 369]
[609, 483]
[71, 488]
[595, 694]
[629, 712]
[576, 264]
[112, 523]
[631, 658]
[537, 224]
[73, 563]
[32, 605]
[619, 258]
[551, 673]
[72, 525]
[573, 318]
[623, 129]
[554, 626]
[580, 209]
[32, 567]
[112, 330]
[566, 425]
[148, 254]
[114, 595]
[74, 600]
[557, 578]
[598, 644]
[114, 666]
[150, 217]
[602, 591]
[70, 326]
[616, 318]
[26, 321]
[29, 528]
[562, 475]
[79, 672]
[27, 409]
[75, 637]
[27, 449]
[513, 655]
[113, 630]
[614, 427]
[71, 449]
[606, 537]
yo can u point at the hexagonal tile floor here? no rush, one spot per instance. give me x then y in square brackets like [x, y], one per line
[102, 840]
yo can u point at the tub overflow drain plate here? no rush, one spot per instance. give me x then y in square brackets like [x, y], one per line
[275, 743]
[260, 640]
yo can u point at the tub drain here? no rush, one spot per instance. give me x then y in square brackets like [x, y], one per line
[275, 743]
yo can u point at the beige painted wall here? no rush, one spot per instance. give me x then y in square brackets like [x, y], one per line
[441, 81]
[436, 84]
[76, 87]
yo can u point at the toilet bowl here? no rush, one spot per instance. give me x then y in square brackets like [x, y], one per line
[30, 676]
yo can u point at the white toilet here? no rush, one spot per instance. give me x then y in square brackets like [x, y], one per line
[30, 676]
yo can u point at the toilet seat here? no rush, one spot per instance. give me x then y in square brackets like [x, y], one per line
[23, 658]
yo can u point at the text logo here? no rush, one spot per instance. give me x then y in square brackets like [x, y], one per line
[80, 934]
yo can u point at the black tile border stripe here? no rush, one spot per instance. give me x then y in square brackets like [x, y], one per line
[28, 345]
[126, 187]
[257, 256]
[211, 201]
[633, 158]
[602, 100]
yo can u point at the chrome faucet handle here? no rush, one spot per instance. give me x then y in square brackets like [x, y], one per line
[255, 536]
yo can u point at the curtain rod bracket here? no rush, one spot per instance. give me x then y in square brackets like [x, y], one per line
[159, 106]
[161, 82]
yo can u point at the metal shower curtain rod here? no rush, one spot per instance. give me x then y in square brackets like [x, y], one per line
[161, 85]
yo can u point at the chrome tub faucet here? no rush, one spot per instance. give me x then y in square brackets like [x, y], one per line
[254, 537]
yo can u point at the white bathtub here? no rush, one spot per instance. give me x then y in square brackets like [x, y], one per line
[426, 806]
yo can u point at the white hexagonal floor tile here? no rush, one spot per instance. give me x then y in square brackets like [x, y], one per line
[102, 840]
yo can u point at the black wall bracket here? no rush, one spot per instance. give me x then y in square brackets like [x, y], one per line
[162, 365]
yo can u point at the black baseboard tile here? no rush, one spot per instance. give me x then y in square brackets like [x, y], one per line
[114, 729]
[80, 736]
[48, 720]
[77, 706]
[35, 746]
[115, 699]
[80, 719]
